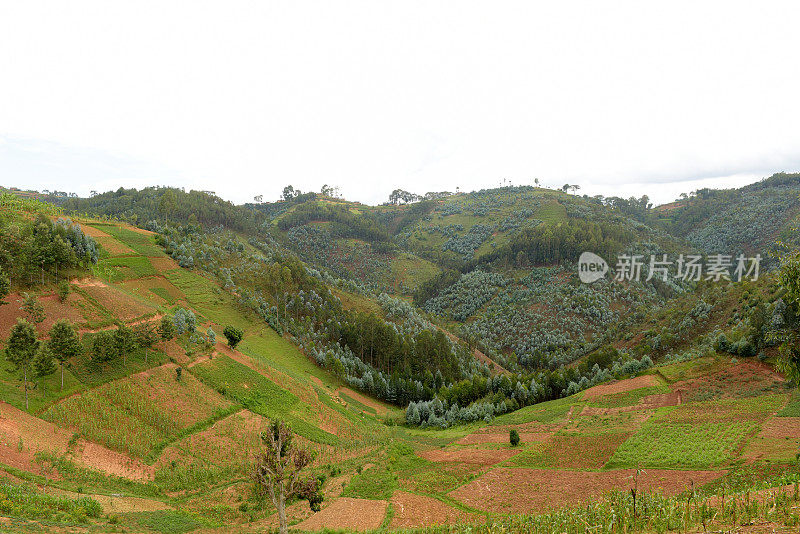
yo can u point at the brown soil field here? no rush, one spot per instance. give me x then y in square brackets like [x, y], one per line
[347, 513]
[163, 263]
[114, 247]
[54, 310]
[507, 490]
[470, 456]
[414, 511]
[747, 376]
[123, 306]
[573, 451]
[142, 286]
[91, 231]
[621, 386]
[502, 437]
[779, 439]
[118, 504]
[37, 435]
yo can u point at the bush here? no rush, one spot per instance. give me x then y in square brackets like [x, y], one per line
[63, 290]
[513, 437]
[233, 335]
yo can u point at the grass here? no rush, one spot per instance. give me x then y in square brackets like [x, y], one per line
[258, 394]
[208, 299]
[165, 521]
[545, 412]
[670, 444]
[374, 483]
[627, 398]
[163, 293]
[792, 409]
[139, 415]
[143, 244]
[41, 391]
[22, 501]
[128, 267]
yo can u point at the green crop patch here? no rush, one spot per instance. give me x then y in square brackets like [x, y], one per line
[792, 409]
[128, 267]
[571, 451]
[22, 501]
[627, 398]
[142, 243]
[545, 412]
[258, 394]
[139, 414]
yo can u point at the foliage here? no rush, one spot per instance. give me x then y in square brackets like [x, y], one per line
[233, 335]
[22, 501]
[513, 437]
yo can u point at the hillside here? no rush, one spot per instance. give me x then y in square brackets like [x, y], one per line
[402, 344]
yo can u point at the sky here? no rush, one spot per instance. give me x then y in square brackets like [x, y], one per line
[243, 98]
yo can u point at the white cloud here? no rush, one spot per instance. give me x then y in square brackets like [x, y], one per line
[245, 97]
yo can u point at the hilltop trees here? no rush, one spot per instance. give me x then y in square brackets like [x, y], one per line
[64, 343]
[21, 349]
[277, 471]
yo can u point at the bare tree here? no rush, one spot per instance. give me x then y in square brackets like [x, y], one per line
[278, 468]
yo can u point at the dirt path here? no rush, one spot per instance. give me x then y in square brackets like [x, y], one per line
[116, 503]
[379, 408]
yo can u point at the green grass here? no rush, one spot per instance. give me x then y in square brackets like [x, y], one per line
[793, 408]
[258, 394]
[357, 405]
[143, 244]
[551, 213]
[42, 391]
[375, 483]
[545, 412]
[269, 348]
[139, 416]
[128, 267]
[627, 398]
[22, 501]
[166, 521]
[208, 299]
[163, 293]
[696, 435]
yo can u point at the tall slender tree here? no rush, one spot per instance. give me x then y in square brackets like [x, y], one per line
[21, 349]
[64, 343]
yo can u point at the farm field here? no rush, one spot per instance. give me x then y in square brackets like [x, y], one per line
[165, 438]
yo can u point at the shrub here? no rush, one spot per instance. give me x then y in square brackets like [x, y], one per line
[513, 437]
[233, 335]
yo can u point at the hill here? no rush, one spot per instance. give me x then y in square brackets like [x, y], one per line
[406, 392]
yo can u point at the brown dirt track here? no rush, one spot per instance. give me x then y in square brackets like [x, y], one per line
[414, 511]
[505, 490]
[347, 513]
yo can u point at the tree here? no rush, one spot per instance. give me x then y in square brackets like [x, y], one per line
[43, 364]
[123, 342]
[33, 308]
[166, 330]
[289, 193]
[789, 352]
[277, 471]
[63, 290]
[144, 336]
[513, 437]
[168, 204]
[233, 335]
[21, 349]
[64, 343]
[211, 336]
[5, 286]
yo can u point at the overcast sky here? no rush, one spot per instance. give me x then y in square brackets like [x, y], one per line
[242, 98]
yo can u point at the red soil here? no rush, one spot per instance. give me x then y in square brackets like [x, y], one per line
[505, 490]
[54, 310]
[469, 456]
[621, 386]
[502, 437]
[414, 511]
[41, 436]
[347, 514]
